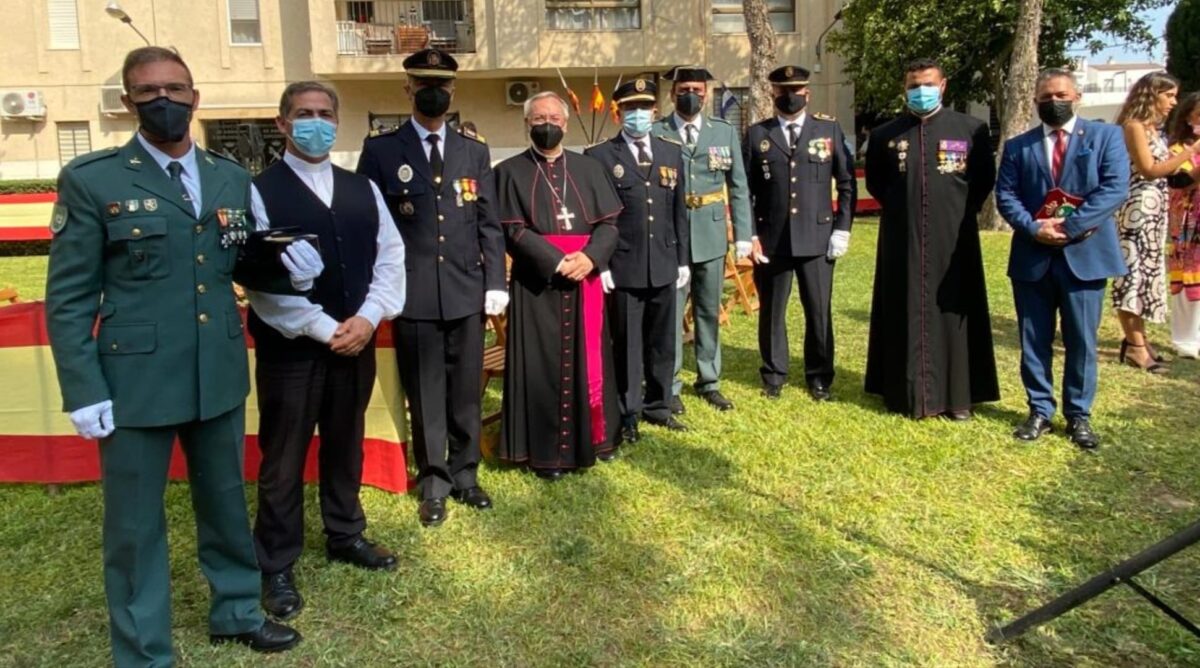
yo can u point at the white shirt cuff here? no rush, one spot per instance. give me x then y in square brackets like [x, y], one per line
[371, 312]
[322, 329]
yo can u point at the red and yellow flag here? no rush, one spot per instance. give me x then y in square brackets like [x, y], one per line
[597, 99]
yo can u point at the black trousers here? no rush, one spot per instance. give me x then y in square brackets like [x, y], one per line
[294, 397]
[441, 368]
[774, 283]
[642, 321]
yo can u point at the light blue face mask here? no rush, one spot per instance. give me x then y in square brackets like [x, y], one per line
[314, 137]
[637, 122]
[924, 99]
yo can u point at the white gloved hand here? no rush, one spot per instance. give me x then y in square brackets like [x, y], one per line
[839, 243]
[606, 282]
[757, 256]
[95, 421]
[494, 302]
[303, 263]
[685, 275]
[742, 249]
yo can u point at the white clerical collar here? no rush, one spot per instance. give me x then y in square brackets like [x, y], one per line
[423, 132]
[695, 122]
[547, 158]
[305, 167]
[1069, 126]
[799, 120]
[188, 160]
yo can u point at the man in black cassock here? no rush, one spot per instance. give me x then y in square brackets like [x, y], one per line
[930, 350]
[557, 208]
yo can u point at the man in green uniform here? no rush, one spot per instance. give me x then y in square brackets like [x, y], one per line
[713, 177]
[145, 239]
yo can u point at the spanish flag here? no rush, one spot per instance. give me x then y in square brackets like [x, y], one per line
[597, 99]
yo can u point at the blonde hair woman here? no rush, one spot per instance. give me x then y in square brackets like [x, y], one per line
[1142, 220]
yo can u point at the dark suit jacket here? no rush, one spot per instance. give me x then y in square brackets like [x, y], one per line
[453, 243]
[653, 227]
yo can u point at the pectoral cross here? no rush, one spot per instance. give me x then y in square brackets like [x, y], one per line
[565, 217]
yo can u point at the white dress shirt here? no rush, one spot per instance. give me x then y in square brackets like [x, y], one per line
[683, 125]
[190, 174]
[1050, 139]
[786, 125]
[633, 149]
[294, 315]
[423, 133]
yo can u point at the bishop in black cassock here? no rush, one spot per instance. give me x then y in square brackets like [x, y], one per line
[560, 403]
[930, 350]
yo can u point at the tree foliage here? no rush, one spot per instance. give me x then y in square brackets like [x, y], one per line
[1183, 44]
[973, 40]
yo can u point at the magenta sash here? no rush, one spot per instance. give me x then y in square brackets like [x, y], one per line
[591, 310]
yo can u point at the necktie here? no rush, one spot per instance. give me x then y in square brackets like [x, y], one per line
[175, 171]
[643, 157]
[1060, 152]
[691, 134]
[793, 135]
[435, 158]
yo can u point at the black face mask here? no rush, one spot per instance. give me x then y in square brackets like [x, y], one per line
[1055, 113]
[790, 102]
[688, 104]
[165, 119]
[546, 136]
[432, 102]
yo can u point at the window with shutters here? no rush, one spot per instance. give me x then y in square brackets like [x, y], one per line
[728, 16]
[244, 26]
[74, 140]
[593, 14]
[64, 24]
[730, 104]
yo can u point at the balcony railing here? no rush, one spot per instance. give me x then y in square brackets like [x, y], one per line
[385, 27]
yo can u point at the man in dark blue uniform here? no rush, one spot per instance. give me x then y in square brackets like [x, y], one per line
[651, 260]
[791, 161]
[437, 184]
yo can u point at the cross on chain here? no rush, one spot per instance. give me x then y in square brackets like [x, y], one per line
[565, 217]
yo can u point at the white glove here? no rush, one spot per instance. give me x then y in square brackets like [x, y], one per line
[685, 275]
[303, 263]
[742, 249]
[757, 258]
[494, 302]
[606, 282]
[839, 243]
[95, 421]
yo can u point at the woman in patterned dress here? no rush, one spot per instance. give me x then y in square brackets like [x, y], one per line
[1142, 221]
[1183, 242]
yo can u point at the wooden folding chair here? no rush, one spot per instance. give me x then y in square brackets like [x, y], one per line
[9, 294]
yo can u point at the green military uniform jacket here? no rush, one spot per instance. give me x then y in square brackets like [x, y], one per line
[714, 162]
[128, 249]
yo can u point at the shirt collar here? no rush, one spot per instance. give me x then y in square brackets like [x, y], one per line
[1069, 126]
[188, 160]
[303, 167]
[633, 140]
[694, 122]
[783, 122]
[422, 132]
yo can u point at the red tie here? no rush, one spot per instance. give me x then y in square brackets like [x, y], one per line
[1060, 152]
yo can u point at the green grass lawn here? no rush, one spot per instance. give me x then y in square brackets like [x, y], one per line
[782, 534]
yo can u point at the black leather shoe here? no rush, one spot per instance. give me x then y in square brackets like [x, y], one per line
[270, 637]
[957, 416]
[364, 554]
[669, 423]
[432, 512]
[551, 474]
[280, 598]
[629, 430]
[819, 391]
[677, 405]
[474, 497]
[1032, 428]
[1079, 430]
[717, 400]
[607, 457]
[772, 391]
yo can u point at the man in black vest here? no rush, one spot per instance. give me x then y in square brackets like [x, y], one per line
[316, 354]
[438, 185]
[793, 162]
[651, 261]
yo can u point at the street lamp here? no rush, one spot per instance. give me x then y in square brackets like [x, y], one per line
[114, 10]
[836, 17]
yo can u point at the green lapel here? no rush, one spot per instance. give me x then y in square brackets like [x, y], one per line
[708, 136]
[212, 182]
[148, 176]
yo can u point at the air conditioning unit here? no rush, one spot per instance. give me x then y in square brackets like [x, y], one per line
[516, 92]
[27, 104]
[110, 100]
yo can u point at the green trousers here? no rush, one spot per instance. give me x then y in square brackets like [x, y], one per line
[707, 287]
[137, 580]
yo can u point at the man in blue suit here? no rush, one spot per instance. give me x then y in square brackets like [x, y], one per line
[1061, 264]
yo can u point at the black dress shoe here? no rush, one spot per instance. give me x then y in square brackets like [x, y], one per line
[280, 598]
[669, 423]
[717, 400]
[677, 405]
[364, 554]
[551, 474]
[629, 430]
[772, 391]
[432, 512]
[1032, 428]
[607, 457]
[1079, 430]
[270, 637]
[819, 391]
[957, 416]
[474, 497]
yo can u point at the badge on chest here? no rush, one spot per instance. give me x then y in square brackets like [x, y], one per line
[465, 190]
[234, 228]
[720, 159]
[952, 156]
[668, 177]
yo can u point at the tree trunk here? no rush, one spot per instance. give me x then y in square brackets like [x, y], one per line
[1016, 108]
[762, 58]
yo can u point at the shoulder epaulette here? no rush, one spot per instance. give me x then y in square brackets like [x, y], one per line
[471, 134]
[670, 140]
[823, 117]
[383, 133]
[599, 143]
[210, 152]
[92, 157]
[718, 119]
